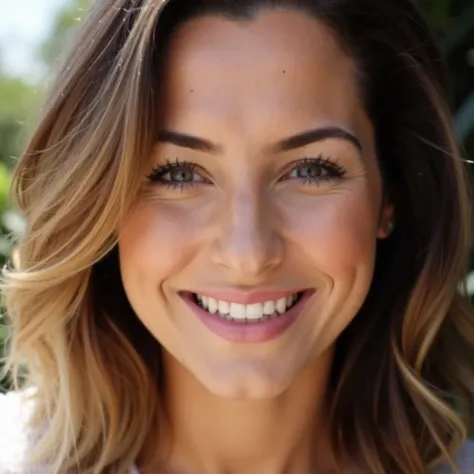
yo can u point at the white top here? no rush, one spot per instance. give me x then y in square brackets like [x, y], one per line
[14, 412]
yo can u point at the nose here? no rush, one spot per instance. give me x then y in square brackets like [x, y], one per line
[247, 243]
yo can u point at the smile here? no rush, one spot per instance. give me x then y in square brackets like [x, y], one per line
[248, 318]
[247, 313]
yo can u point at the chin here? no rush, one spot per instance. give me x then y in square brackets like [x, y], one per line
[246, 387]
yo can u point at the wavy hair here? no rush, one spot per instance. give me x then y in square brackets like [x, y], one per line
[402, 383]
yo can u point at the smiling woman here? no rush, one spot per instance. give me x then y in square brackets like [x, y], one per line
[247, 222]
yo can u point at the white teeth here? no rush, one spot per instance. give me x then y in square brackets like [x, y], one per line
[244, 312]
[237, 311]
[254, 311]
[281, 305]
[223, 307]
[269, 307]
[212, 305]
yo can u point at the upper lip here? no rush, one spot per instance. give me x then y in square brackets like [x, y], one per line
[248, 297]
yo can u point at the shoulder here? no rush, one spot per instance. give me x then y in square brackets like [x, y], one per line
[464, 459]
[15, 409]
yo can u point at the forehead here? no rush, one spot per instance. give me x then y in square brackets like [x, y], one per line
[281, 66]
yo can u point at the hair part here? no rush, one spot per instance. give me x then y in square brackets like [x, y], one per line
[402, 382]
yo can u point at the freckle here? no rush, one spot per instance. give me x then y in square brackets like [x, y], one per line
[191, 90]
[284, 71]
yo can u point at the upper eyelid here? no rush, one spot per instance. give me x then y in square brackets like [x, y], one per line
[320, 159]
[336, 171]
[165, 167]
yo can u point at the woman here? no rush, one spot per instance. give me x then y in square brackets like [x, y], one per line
[247, 222]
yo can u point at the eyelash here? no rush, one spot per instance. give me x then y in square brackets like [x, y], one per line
[334, 170]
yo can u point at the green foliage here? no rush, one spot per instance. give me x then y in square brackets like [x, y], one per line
[63, 27]
[437, 12]
[5, 243]
[18, 104]
[19, 110]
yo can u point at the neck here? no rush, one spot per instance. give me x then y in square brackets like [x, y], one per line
[212, 435]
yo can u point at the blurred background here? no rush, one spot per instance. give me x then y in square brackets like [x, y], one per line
[34, 34]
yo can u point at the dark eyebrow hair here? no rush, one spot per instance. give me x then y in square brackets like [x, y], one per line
[291, 143]
[187, 141]
[310, 136]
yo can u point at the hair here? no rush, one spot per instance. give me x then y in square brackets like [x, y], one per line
[402, 383]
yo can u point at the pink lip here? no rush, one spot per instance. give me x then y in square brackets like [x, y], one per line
[247, 332]
[248, 297]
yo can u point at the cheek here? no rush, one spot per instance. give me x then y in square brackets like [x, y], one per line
[157, 241]
[337, 231]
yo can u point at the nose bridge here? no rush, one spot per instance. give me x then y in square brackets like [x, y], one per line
[247, 241]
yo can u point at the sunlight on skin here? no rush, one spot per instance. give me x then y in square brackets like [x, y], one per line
[226, 209]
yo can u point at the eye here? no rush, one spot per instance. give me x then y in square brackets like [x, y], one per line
[316, 170]
[175, 174]
[182, 174]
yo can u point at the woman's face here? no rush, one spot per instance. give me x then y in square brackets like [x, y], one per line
[263, 191]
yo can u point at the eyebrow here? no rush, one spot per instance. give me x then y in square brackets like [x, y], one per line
[291, 143]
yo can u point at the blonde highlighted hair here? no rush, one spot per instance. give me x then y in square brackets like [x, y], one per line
[402, 383]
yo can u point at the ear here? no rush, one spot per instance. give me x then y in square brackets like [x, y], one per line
[386, 221]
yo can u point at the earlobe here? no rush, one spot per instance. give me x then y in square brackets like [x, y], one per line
[386, 230]
[386, 223]
[390, 226]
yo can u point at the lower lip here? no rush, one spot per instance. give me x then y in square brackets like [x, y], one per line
[254, 332]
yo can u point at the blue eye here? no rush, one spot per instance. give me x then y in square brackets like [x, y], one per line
[316, 170]
[182, 174]
[175, 174]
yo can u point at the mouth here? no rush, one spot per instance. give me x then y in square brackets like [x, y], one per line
[247, 313]
[248, 318]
